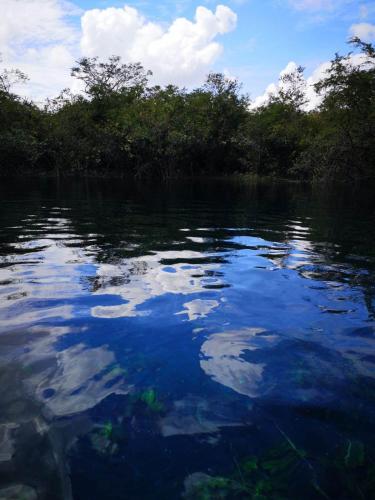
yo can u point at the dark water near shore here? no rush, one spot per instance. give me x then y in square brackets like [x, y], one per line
[199, 340]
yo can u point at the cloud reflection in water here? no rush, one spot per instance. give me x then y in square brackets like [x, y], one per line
[222, 359]
[148, 278]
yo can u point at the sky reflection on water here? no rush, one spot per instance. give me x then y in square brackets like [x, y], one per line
[138, 325]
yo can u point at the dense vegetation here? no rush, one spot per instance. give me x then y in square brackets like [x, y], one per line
[121, 125]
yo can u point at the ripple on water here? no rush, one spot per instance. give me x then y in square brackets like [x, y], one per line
[167, 337]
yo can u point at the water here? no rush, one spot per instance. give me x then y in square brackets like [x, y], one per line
[198, 340]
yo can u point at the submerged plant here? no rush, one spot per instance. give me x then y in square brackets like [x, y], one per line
[105, 439]
[276, 474]
[102, 444]
[284, 471]
[256, 478]
[201, 486]
[150, 398]
[352, 471]
[107, 430]
[355, 454]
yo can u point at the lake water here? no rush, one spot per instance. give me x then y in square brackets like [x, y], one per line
[198, 340]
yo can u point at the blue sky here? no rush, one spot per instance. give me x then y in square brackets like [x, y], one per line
[253, 40]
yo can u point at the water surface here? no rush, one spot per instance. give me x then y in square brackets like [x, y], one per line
[197, 340]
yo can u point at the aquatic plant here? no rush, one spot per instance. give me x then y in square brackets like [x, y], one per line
[150, 398]
[107, 430]
[282, 471]
[104, 440]
[272, 475]
[102, 444]
[351, 470]
[256, 478]
[355, 454]
[199, 486]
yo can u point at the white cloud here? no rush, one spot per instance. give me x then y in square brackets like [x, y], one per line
[313, 99]
[34, 22]
[365, 31]
[150, 279]
[39, 37]
[261, 100]
[222, 359]
[273, 88]
[48, 69]
[199, 308]
[289, 68]
[181, 53]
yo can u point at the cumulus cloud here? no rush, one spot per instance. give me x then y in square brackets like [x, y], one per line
[48, 69]
[37, 36]
[313, 99]
[43, 39]
[34, 22]
[365, 31]
[222, 359]
[155, 280]
[273, 88]
[181, 53]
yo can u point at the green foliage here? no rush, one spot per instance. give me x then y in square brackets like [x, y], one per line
[351, 470]
[149, 397]
[348, 115]
[104, 78]
[123, 126]
[9, 78]
[355, 454]
[214, 488]
[256, 478]
[22, 139]
[107, 430]
[103, 440]
[284, 471]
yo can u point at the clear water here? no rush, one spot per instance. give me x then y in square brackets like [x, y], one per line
[197, 340]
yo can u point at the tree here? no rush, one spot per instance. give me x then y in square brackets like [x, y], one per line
[123, 125]
[218, 84]
[348, 111]
[11, 77]
[278, 127]
[292, 89]
[223, 110]
[104, 78]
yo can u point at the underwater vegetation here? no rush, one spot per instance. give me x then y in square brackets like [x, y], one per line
[351, 470]
[107, 437]
[258, 478]
[150, 398]
[282, 472]
[266, 396]
[103, 439]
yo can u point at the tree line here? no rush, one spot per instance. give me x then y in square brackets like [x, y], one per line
[121, 125]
